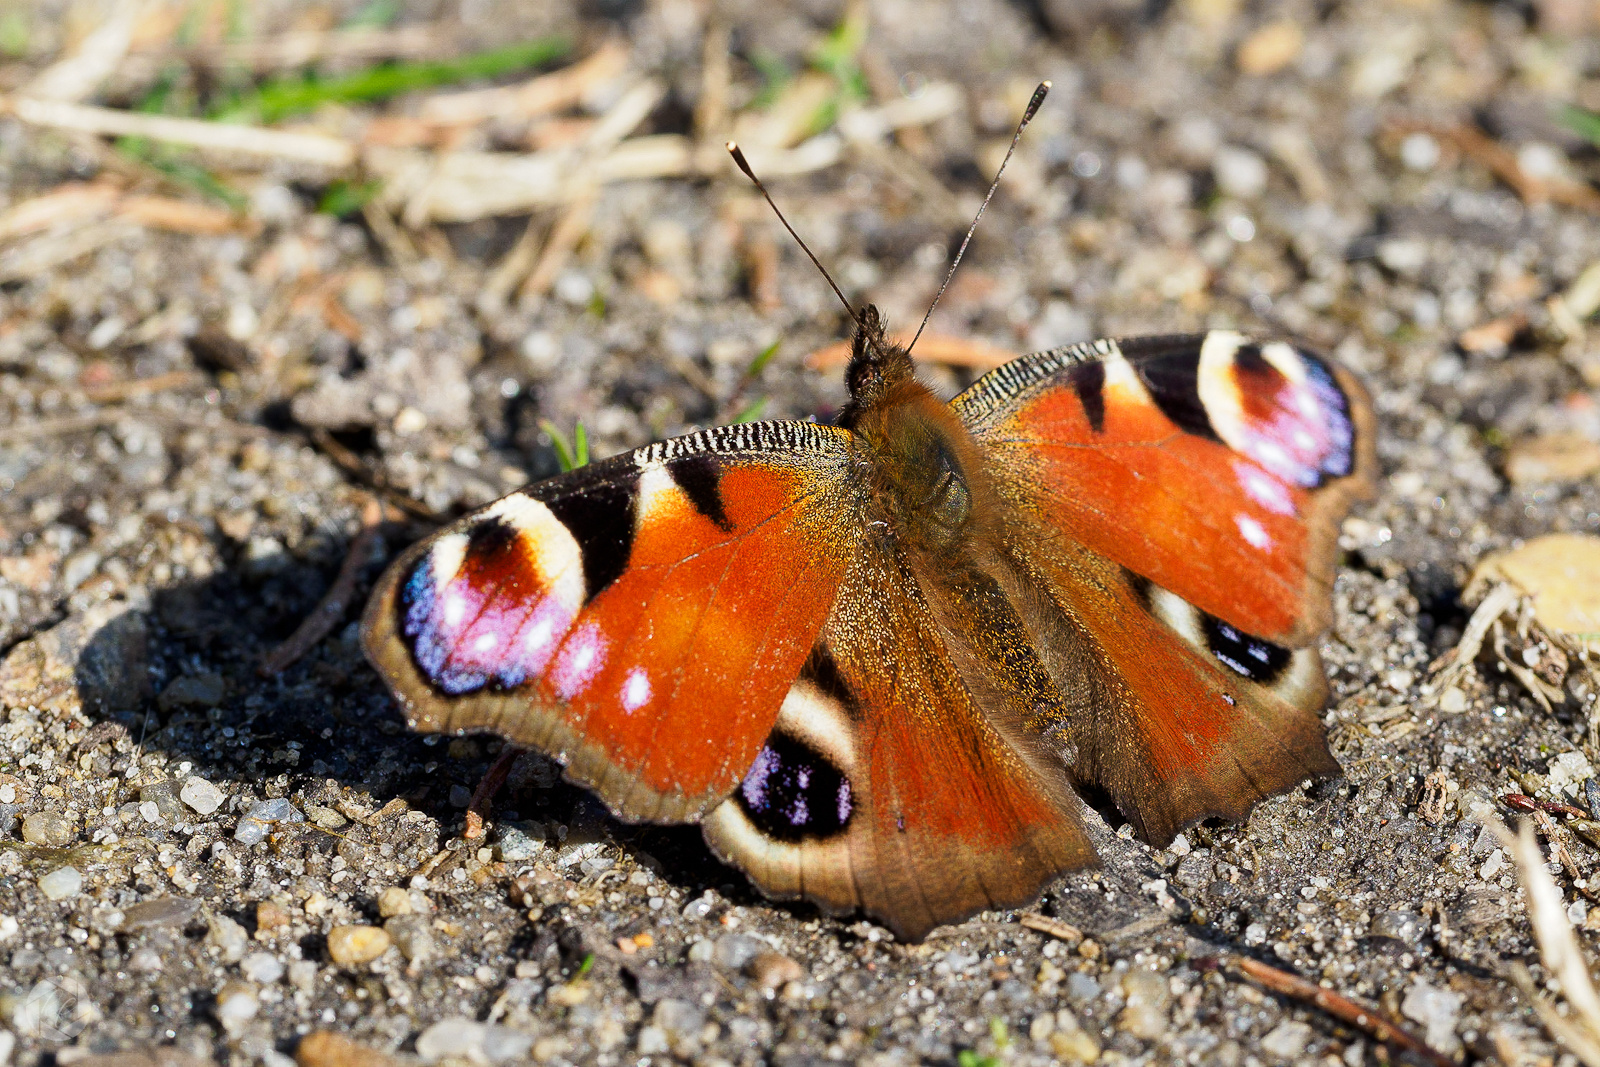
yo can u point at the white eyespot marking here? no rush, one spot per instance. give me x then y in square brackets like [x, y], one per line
[1264, 488]
[551, 548]
[446, 556]
[1122, 381]
[1253, 532]
[582, 656]
[455, 609]
[485, 642]
[636, 690]
[538, 635]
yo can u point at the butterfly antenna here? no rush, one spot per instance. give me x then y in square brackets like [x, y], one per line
[1027, 116]
[744, 164]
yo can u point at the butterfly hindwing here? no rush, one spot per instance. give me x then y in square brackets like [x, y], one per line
[1215, 466]
[888, 785]
[640, 619]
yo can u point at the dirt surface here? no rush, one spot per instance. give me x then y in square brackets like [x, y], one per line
[192, 424]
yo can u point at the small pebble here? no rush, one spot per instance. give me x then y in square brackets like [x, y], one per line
[237, 1004]
[1240, 173]
[460, 1038]
[1437, 1010]
[228, 937]
[265, 818]
[1145, 1015]
[394, 901]
[64, 883]
[270, 916]
[201, 795]
[48, 829]
[1452, 701]
[162, 913]
[194, 690]
[162, 797]
[1287, 1040]
[516, 845]
[773, 970]
[351, 946]
[413, 936]
[263, 968]
[323, 1048]
[734, 952]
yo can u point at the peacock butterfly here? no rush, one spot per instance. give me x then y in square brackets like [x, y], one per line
[878, 661]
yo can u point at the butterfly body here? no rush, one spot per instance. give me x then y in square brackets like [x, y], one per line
[880, 661]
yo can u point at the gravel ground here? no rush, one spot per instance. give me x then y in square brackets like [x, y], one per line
[197, 864]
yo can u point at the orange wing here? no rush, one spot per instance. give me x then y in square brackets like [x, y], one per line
[639, 619]
[1216, 467]
[888, 785]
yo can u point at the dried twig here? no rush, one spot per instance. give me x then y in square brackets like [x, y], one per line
[558, 247]
[1559, 950]
[77, 76]
[478, 809]
[1054, 927]
[1368, 1020]
[351, 464]
[1502, 163]
[258, 141]
[113, 392]
[545, 94]
[330, 611]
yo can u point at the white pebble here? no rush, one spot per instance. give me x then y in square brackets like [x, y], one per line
[237, 1004]
[262, 968]
[1239, 172]
[62, 884]
[201, 795]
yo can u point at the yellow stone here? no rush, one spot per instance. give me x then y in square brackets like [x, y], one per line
[352, 946]
[1270, 49]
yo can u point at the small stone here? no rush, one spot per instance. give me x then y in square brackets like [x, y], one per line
[681, 1021]
[201, 795]
[325, 817]
[698, 908]
[1074, 1046]
[146, 960]
[517, 845]
[162, 913]
[265, 818]
[459, 1038]
[323, 1048]
[48, 829]
[1436, 1010]
[352, 946]
[262, 968]
[237, 1004]
[1240, 173]
[413, 936]
[270, 917]
[1452, 701]
[63, 883]
[394, 901]
[774, 970]
[1270, 49]
[1287, 1040]
[734, 952]
[1403, 926]
[227, 936]
[193, 691]
[1145, 1015]
[1492, 866]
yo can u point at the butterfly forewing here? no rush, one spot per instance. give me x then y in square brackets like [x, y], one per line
[1212, 465]
[640, 619]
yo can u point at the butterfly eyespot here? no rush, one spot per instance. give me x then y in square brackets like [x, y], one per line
[1242, 653]
[792, 792]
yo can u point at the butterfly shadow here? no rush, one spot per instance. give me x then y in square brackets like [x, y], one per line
[179, 675]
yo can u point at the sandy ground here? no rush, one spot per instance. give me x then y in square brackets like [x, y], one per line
[171, 507]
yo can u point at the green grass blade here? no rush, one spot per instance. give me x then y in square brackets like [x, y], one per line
[281, 97]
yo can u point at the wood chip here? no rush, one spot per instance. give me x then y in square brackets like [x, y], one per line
[1062, 931]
